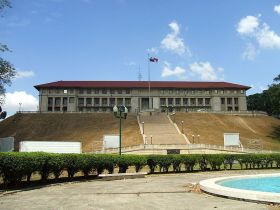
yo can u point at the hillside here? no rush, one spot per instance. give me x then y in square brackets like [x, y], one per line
[211, 128]
[88, 128]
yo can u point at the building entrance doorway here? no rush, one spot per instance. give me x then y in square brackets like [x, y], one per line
[145, 103]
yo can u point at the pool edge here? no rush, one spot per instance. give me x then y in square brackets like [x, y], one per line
[210, 186]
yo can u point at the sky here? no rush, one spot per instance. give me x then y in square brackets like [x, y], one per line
[234, 41]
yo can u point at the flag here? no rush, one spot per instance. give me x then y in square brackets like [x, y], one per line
[153, 59]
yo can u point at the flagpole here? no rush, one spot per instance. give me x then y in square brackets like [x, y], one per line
[149, 80]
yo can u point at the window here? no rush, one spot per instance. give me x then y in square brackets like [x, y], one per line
[207, 101]
[222, 101]
[162, 92]
[127, 102]
[235, 91]
[193, 103]
[222, 91]
[119, 91]
[71, 91]
[235, 101]
[65, 91]
[162, 101]
[192, 92]
[71, 100]
[57, 91]
[207, 92]
[200, 101]
[96, 91]
[96, 102]
[178, 101]
[64, 101]
[57, 101]
[80, 101]
[50, 101]
[177, 92]
[104, 101]
[88, 91]
[112, 101]
[81, 91]
[185, 101]
[89, 101]
[104, 91]
[120, 101]
[241, 91]
[170, 101]
[199, 92]
[215, 91]
[44, 91]
[127, 91]
[170, 91]
[229, 100]
[112, 91]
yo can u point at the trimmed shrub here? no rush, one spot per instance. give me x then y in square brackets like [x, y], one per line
[15, 167]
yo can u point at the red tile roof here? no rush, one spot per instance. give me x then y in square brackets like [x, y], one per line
[140, 84]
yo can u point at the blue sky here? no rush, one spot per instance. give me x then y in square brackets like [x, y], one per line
[235, 41]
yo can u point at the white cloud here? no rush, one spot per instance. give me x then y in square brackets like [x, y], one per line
[206, 72]
[13, 100]
[259, 32]
[267, 38]
[24, 74]
[277, 9]
[248, 25]
[178, 71]
[173, 42]
[250, 52]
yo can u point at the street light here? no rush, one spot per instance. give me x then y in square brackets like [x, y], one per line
[19, 106]
[121, 113]
[143, 127]
[198, 138]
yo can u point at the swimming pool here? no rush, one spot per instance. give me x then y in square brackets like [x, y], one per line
[258, 188]
[263, 184]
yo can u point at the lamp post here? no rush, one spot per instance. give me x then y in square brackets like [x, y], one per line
[198, 138]
[143, 127]
[20, 106]
[121, 113]
[182, 126]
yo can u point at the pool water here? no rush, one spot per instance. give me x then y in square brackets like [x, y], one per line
[264, 184]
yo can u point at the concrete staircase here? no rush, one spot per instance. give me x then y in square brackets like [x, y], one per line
[160, 128]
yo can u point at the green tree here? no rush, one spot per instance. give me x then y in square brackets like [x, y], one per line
[7, 71]
[268, 100]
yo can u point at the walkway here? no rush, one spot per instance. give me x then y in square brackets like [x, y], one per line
[154, 192]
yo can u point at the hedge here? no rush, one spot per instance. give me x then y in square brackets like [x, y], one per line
[17, 167]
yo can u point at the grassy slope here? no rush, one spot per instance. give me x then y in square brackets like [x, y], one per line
[211, 127]
[88, 128]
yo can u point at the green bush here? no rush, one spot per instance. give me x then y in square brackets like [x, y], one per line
[16, 167]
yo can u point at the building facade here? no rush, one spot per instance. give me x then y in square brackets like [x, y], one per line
[101, 96]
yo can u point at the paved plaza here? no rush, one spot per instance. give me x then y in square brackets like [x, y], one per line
[166, 191]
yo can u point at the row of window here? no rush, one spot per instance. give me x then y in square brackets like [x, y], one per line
[229, 101]
[185, 101]
[56, 101]
[87, 91]
[104, 101]
[128, 91]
